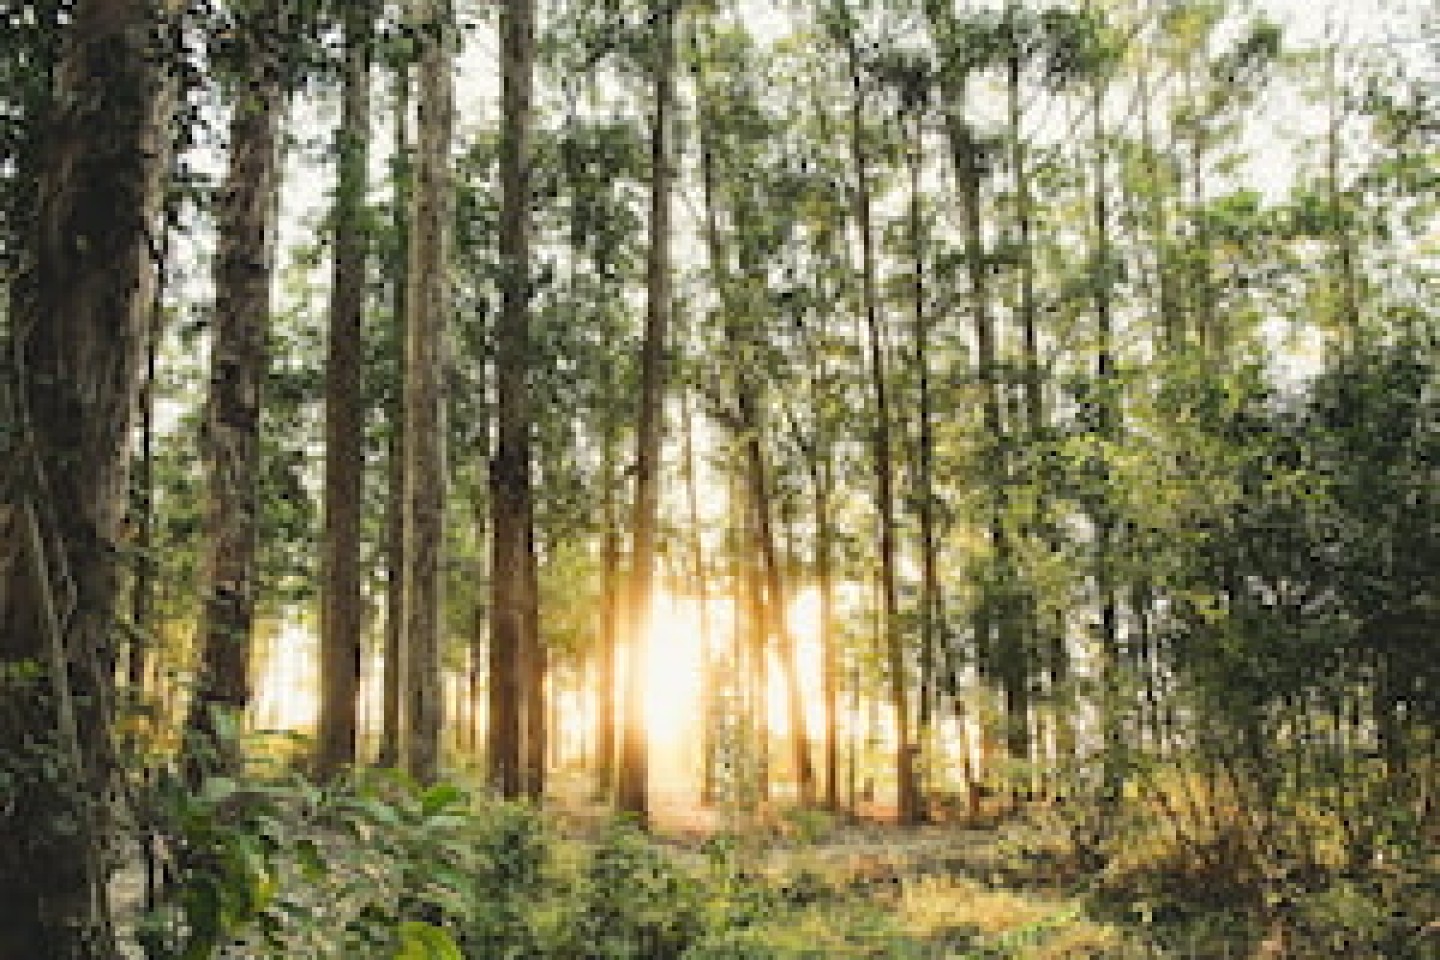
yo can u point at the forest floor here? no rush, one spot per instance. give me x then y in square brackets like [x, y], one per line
[808, 885]
[937, 889]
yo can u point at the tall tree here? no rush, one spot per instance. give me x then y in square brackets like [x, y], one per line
[632, 791]
[1106, 413]
[914, 95]
[394, 651]
[428, 306]
[341, 614]
[513, 643]
[71, 379]
[907, 789]
[239, 362]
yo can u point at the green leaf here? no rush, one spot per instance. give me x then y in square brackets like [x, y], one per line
[311, 860]
[422, 941]
[218, 789]
[439, 797]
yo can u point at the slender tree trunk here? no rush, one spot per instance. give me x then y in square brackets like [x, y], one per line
[908, 794]
[1106, 424]
[428, 307]
[476, 661]
[751, 767]
[342, 615]
[1007, 651]
[930, 598]
[534, 669]
[757, 650]
[390, 732]
[1047, 636]
[142, 588]
[632, 792]
[69, 387]
[829, 646]
[1024, 227]
[239, 361]
[610, 594]
[720, 281]
[512, 648]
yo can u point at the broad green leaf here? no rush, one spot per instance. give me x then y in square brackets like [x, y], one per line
[422, 941]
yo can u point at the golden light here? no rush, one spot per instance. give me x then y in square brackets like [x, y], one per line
[803, 620]
[674, 682]
[286, 677]
[675, 669]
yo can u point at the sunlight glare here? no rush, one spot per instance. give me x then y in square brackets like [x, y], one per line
[673, 682]
[803, 619]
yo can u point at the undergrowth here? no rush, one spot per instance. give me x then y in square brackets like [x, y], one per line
[272, 866]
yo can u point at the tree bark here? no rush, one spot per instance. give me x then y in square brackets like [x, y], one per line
[829, 646]
[239, 361]
[390, 724]
[428, 308]
[341, 610]
[1106, 425]
[142, 587]
[930, 598]
[632, 791]
[534, 669]
[79, 319]
[610, 598]
[512, 648]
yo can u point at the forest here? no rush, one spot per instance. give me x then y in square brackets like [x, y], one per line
[719, 480]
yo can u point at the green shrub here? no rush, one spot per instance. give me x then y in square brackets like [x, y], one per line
[637, 902]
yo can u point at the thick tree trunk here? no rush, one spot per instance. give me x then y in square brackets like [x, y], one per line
[428, 303]
[341, 612]
[239, 361]
[78, 324]
[632, 792]
[512, 647]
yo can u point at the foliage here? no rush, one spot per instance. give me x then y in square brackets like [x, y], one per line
[276, 864]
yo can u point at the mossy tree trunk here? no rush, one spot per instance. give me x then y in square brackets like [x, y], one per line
[79, 320]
